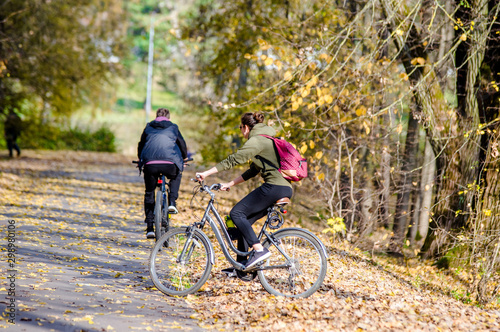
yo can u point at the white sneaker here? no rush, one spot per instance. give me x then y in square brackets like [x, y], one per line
[172, 209]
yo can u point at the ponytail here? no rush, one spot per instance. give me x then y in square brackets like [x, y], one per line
[251, 119]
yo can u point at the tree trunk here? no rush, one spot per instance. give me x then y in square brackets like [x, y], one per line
[419, 233]
[458, 191]
[409, 164]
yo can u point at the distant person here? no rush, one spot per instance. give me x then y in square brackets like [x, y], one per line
[12, 128]
[161, 150]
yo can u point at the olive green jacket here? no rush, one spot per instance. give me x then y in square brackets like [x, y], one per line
[257, 146]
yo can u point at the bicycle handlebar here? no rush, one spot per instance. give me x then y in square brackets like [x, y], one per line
[185, 160]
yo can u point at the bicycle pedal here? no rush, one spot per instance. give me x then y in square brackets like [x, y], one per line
[230, 272]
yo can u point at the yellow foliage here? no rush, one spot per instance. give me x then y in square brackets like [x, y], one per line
[269, 61]
[303, 148]
[361, 110]
[318, 155]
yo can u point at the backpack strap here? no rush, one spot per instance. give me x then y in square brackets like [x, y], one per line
[264, 160]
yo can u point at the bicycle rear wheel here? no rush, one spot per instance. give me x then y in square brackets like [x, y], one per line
[158, 213]
[180, 264]
[306, 264]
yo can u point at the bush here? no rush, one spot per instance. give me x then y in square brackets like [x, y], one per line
[51, 137]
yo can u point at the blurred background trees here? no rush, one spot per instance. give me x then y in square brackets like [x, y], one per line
[394, 103]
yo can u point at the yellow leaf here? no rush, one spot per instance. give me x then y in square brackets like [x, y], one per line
[268, 62]
[295, 106]
[367, 127]
[263, 57]
[286, 124]
[336, 108]
[318, 155]
[305, 93]
[303, 148]
[361, 110]
[248, 56]
[328, 99]
[399, 129]
[278, 64]
[288, 75]
[312, 144]
[463, 37]
[321, 176]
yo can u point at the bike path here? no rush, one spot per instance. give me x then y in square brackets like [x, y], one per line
[81, 258]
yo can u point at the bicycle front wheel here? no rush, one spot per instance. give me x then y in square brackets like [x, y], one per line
[180, 263]
[300, 270]
[158, 214]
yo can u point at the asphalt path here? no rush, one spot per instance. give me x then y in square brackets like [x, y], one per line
[78, 258]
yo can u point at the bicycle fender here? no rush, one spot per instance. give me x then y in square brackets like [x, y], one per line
[323, 248]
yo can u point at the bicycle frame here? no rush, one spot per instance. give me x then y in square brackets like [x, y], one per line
[164, 191]
[210, 209]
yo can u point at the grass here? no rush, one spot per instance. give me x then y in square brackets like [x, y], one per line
[127, 118]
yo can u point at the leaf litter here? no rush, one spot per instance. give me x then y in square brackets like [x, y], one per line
[94, 210]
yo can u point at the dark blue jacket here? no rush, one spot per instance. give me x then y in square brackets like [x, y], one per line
[162, 140]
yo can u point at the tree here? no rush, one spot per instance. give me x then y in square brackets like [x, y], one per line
[56, 55]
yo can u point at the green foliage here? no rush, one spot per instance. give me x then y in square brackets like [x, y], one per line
[57, 55]
[46, 136]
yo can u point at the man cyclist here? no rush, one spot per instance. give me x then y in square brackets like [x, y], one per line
[161, 150]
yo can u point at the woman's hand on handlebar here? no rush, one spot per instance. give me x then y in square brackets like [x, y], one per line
[201, 176]
[225, 186]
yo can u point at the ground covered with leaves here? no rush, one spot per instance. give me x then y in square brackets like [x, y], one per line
[82, 263]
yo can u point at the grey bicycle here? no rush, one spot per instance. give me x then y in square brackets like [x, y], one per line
[181, 260]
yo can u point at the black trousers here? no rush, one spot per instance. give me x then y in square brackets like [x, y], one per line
[151, 174]
[12, 145]
[253, 207]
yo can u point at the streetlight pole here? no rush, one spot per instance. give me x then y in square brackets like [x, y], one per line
[150, 66]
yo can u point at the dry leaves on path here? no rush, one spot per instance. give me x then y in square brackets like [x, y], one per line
[83, 259]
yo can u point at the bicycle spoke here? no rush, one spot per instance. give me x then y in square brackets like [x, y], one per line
[181, 268]
[306, 265]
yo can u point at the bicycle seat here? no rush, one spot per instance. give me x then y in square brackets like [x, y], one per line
[283, 201]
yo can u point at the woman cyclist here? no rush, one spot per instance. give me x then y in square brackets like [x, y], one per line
[253, 206]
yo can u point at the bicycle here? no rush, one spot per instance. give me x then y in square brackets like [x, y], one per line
[161, 210]
[181, 260]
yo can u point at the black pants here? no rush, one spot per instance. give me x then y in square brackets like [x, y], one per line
[12, 145]
[151, 174]
[253, 207]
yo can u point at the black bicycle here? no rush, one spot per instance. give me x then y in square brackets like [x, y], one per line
[161, 211]
[181, 260]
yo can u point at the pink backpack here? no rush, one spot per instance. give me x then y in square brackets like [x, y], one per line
[293, 166]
